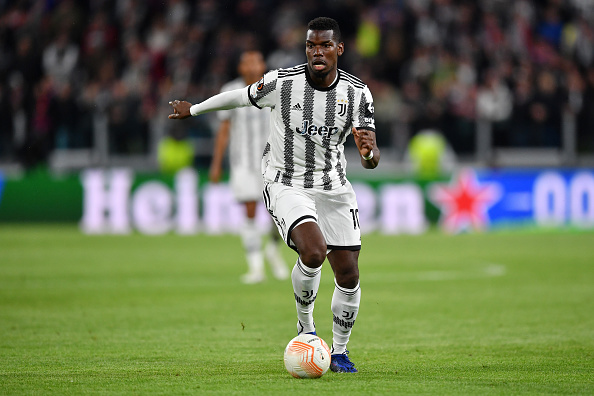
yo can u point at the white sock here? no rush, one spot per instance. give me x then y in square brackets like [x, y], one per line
[345, 306]
[306, 282]
[276, 261]
[252, 243]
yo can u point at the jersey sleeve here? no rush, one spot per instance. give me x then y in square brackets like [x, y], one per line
[262, 93]
[224, 115]
[364, 116]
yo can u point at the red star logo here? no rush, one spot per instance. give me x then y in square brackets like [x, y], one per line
[464, 202]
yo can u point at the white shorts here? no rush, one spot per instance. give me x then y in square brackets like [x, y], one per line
[335, 211]
[246, 185]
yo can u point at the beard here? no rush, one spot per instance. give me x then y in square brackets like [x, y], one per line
[318, 73]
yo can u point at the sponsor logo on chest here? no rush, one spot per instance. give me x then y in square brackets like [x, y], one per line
[310, 129]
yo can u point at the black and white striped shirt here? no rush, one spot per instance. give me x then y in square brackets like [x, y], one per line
[309, 126]
[248, 132]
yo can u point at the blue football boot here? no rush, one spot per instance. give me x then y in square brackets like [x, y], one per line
[340, 363]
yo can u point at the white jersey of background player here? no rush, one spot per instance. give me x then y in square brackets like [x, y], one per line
[245, 130]
[314, 109]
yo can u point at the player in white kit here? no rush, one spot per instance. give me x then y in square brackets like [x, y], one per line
[315, 106]
[245, 130]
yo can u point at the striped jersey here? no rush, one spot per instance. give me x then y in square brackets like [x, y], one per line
[309, 126]
[248, 132]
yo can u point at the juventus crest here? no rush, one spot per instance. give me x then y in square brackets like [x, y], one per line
[343, 104]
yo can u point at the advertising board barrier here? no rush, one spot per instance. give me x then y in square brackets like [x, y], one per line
[118, 201]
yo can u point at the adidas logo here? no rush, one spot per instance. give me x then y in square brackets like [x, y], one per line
[297, 107]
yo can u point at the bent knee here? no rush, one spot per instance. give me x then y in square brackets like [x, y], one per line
[313, 257]
[348, 279]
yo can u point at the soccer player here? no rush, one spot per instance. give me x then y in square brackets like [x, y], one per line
[315, 106]
[246, 130]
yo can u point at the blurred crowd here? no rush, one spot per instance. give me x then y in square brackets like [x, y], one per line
[524, 66]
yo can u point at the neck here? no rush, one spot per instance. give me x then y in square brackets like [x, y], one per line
[251, 79]
[323, 81]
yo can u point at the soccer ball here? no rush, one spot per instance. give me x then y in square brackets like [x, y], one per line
[307, 356]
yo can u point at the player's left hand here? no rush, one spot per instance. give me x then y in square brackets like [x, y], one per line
[181, 109]
[365, 141]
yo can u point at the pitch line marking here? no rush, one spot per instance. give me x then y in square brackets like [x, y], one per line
[487, 270]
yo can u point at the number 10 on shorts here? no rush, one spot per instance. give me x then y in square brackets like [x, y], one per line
[355, 214]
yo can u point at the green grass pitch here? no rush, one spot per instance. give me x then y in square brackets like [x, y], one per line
[499, 313]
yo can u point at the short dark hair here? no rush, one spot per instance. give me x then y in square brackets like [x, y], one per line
[325, 23]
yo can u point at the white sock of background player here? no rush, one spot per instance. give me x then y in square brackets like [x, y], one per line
[272, 251]
[252, 243]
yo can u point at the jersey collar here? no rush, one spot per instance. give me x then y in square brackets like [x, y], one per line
[328, 88]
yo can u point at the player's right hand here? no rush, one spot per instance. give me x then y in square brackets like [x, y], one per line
[181, 109]
[214, 175]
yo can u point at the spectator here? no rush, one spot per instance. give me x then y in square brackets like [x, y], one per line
[290, 51]
[60, 58]
[494, 104]
[586, 116]
[584, 44]
[27, 62]
[546, 111]
[426, 56]
[551, 27]
[128, 131]
[520, 135]
[462, 107]
[413, 104]
[99, 43]
[6, 122]
[39, 141]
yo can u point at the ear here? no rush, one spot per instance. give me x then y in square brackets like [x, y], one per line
[340, 48]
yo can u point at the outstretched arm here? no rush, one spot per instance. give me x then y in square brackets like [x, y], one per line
[223, 101]
[365, 141]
